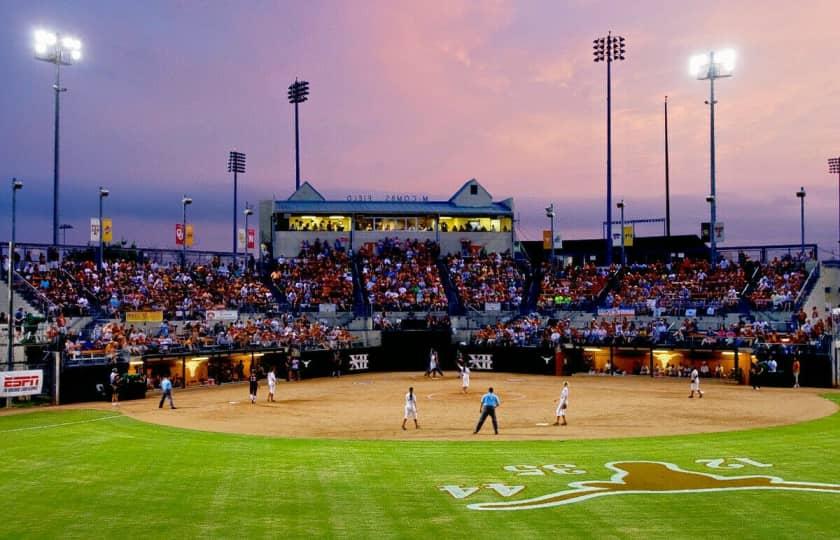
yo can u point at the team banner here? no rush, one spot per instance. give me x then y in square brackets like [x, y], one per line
[143, 316]
[107, 230]
[250, 237]
[179, 234]
[94, 230]
[190, 236]
[227, 315]
[21, 383]
[629, 235]
[240, 238]
[558, 240]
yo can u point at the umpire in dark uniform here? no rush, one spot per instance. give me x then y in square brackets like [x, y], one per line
[489, 403]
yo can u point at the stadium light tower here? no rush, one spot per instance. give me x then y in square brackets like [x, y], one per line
[64, 227]
[549, 213]
[186, 201]
[236, 165]
[16, 185]
[834, 168]
[609, 49]
[801, 196]
[61, 51]
[102, 194]
[620, 206]
[708, 67]
[298, 93]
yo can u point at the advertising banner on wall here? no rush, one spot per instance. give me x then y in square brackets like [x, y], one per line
[143, 316]
[21, 383]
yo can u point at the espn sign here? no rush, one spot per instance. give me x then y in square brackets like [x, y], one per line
[21, 383]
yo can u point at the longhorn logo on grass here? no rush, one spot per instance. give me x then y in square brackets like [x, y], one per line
[481, 361]
[654, 477]
[358, 362]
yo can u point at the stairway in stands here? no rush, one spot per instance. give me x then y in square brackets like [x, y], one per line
[456, 305]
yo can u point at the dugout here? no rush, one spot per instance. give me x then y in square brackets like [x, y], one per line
[731, 363]
[209, 368]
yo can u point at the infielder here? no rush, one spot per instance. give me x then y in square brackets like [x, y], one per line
[272, 384]
[563, 405]
[253, 385]
[410, 408]
[465, 378]
[489, 403]
[695, 383]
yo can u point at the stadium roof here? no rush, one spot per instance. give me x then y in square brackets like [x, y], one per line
[470, 200]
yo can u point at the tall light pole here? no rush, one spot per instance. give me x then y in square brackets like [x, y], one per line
[609, 49]
[667, 179]
[102, 194]
[248, 212]
[710, 67]
[298, 92]
[620, 206]
[236, 165]
[64, 227]
[61, 51]
[549, 213]
[834, 168]
[186, 201]
[801, 195]
[16, 185]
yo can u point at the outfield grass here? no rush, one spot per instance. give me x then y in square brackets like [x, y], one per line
[93, 474]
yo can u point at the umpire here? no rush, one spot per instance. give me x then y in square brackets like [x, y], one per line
[489, 403]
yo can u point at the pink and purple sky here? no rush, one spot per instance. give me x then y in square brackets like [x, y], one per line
[419, 97]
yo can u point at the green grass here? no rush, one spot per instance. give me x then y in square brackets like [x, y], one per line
[104, 476]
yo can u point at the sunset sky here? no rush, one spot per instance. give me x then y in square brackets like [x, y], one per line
[419, 97]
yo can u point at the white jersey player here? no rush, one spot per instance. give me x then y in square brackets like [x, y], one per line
[695, 383]
[410, 408]
[272, 384]
[562, 405]
[465, 379]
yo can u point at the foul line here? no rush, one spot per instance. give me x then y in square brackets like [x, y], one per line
[60, 425]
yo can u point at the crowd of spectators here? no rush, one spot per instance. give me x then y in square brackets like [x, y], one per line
[402, 275]
[679, 285]
[518, 332]
[321, 274]
[779, 285]
[127, 285]
[114, 338]
[484, 278]
[571, 287]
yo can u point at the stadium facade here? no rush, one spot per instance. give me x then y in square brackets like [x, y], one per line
[468, 221]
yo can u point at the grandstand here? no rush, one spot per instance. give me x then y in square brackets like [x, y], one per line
[449, 268]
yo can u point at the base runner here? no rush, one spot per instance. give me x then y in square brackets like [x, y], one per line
[253, 385]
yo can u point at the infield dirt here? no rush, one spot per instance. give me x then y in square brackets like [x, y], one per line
[370, 406]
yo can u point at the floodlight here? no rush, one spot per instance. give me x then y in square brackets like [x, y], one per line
[696, 64]
[726, 59]
[186, 200]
